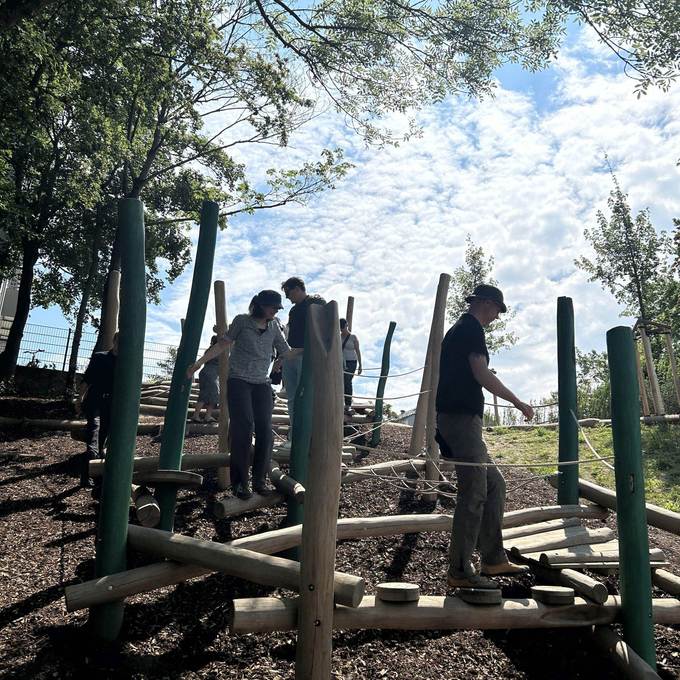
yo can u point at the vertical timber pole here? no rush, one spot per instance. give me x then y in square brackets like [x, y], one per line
[68, 342]
[673, 364]
[109, 324]
[301, 434]
[567, 486]
[350, 312]
[657, 399]
[641, 382]
[223, 474]
[106, 619]
[180, 387]
[631, 515]
[380, 392]
[319, 530]
[436, 337]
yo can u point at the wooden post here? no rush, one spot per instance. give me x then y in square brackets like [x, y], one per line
[315, 620]
[635, 576]
[382, 381]
[110, 321]
[657, 399]
[496, 413]
[178, 400]
[641, 383]
[106, 620]
[673, 364]
[350, 312]
[435, 344]
[223, 477]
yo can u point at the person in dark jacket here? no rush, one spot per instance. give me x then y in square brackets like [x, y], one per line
[95, 396]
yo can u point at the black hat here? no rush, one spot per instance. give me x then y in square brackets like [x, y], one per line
[485, 292]
[268, 298]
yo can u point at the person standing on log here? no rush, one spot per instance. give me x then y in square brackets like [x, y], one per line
[464, 371]
[249, 394]
[351, 361]
[95, 392]
[294, 290]
[208, 389]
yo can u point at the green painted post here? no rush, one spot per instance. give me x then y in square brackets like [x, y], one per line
[631, 516]
[301, 437]
[567, 488]
[180, 388]
[380, 393]
[106, 619]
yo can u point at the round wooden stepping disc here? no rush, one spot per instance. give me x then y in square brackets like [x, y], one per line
[480, 595]
[398, 592]
[180, 478]
[553, 594]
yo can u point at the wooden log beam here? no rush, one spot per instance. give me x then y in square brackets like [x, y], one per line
[540, 528]
[622, 655]
[147, 511]
[562, 538]
[191, 461]
[286, 485]
[583, 584]
[230, 506]
[602, 556]
[242, 563]
[656, 516]
[517, 518]
[387, 468]
[270, 614]
[667, 581]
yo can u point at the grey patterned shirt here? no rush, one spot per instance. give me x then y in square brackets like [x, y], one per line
[251, 353]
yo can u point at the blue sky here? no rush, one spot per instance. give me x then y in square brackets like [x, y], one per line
[523, 173]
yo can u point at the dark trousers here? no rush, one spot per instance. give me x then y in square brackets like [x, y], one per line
[98, 416]
[350, 367]
[250, 408]
[478, 517]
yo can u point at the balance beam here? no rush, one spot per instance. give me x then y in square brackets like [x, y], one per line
[270, 614]
[246, 564]
[192, 461]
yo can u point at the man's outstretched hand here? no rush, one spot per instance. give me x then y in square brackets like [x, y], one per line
[526, 409]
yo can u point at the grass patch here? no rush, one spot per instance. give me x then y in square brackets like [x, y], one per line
[660, 447]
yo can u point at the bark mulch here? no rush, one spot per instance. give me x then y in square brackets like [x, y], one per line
[47, 529]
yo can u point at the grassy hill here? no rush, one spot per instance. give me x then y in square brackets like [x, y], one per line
[660, 447]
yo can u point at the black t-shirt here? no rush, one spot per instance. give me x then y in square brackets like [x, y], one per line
[458, 391]
[298, 318]
[99, 377]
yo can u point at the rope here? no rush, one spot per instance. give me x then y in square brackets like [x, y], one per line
[405, 396]
[389, 375]
[534, 406]
[590, 446]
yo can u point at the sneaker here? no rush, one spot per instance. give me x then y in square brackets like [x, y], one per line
[504, 569]
[471, 581]
[243, 492]
[264, 490]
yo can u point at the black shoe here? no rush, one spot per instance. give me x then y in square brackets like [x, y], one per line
[243, 492]
[264, 490]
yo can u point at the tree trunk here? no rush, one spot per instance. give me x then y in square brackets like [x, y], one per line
[113, 266]
[82, 311]
[10, 355]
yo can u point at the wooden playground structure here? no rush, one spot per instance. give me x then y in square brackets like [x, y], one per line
[558, 542]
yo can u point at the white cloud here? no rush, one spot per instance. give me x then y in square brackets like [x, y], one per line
[523, 179]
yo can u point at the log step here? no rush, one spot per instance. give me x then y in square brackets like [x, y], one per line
[398, 592]
[555, 595]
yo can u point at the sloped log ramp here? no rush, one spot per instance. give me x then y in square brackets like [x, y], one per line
[518, 518]
[240, 562]
[232, 506]
[270, 614]
[540, 528]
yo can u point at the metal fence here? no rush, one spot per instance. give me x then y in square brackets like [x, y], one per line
[51, 347]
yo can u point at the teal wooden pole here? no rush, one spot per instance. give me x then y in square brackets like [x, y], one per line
[631, 516]
[567, 488]
[106, 619]
[380, 392]
[174, 424]
[301, 435]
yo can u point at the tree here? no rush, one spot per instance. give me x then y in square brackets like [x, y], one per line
[592, 384]
[631, 257]
[478, 269]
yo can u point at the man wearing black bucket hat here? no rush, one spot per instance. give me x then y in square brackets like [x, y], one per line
[253, 338]
[464, 371]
